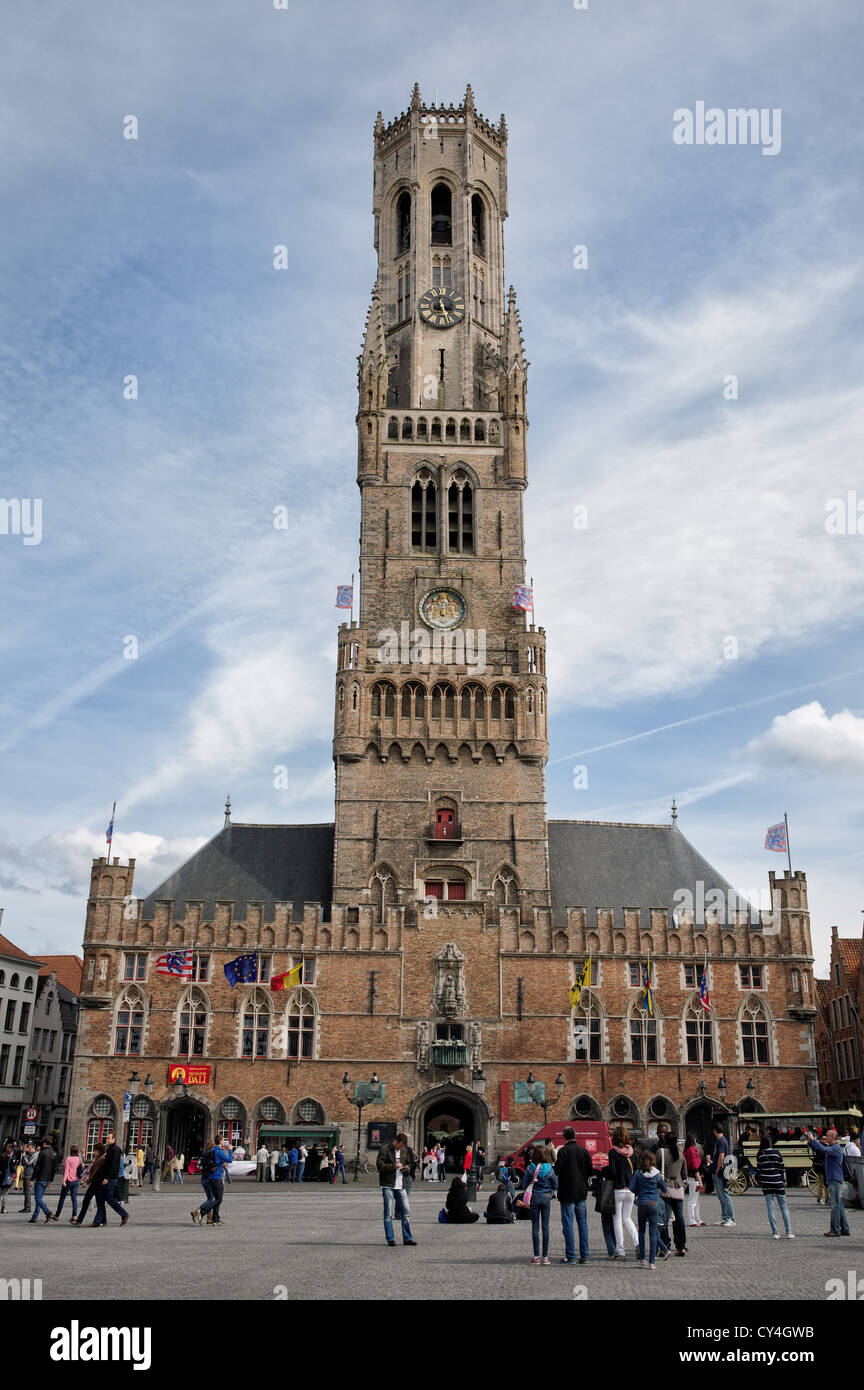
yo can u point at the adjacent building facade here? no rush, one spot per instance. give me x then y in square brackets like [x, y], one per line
[441, 918]
[839, 1035]
[19, 975]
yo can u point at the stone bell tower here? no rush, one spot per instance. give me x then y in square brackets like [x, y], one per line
[441, 706]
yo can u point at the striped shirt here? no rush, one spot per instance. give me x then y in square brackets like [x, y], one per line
[769, 1170]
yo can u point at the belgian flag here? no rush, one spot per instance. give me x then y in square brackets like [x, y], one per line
[288, 979]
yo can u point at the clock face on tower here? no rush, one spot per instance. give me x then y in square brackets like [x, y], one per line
[442, 308]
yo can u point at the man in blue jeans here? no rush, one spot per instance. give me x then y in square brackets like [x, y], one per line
[43, 1175]
[393, 1160]
[106, 1194]
[718, 1158]
[574, 1171]
[832, 1153]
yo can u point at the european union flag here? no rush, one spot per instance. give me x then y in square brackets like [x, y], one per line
[242, 970]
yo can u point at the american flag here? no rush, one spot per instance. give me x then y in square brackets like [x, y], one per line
[775, 837]
[704, 996]
[523, 598]
[177, 964]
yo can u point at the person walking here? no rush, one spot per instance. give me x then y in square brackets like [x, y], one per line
[140, 1159]
[718, 1161]
[458, 1211]
[647, 1185]
[832, 1155]
[213, 1165]
[771, 1177]
[621, 1164]
[149, 1163]
[166, 1167]
[106, 1193]
[177, 1165]
[8, 1168]
[43, 1175]
[673, 1170]
[262, 1158]
[94, 1179]
[467, 1162]
[540, 1182]
[390, 1164]
[340, 1162]
[479, 1163]
[441, 1160]
[695, 1187]
[28, 1163]
[574, 1170]
[72, 1170]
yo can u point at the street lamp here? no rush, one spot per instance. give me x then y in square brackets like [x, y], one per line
[362, 1096]
[478, 1086]
[539, 1097]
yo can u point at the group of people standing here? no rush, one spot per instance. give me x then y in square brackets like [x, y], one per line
[295, 1163]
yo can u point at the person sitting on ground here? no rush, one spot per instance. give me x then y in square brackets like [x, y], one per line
[458, 1211]
[499, 1209]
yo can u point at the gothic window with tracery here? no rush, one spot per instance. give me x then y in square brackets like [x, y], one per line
[424, 510]
[460, 498]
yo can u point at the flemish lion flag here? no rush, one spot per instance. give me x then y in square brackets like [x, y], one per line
[583, 979]
[288, 979]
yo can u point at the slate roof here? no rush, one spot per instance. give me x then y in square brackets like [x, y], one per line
[823, 994]
[594, 864]
[68, 970]
[243, 864]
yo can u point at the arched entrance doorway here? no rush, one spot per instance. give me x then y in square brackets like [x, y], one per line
[186, 1127]
[453, 1114]
[699, 1121]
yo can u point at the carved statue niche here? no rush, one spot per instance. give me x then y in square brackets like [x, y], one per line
[422, 1045]
[449, 999]
[476, 1035]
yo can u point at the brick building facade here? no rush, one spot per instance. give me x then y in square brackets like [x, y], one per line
[441, 918]
[839, 1035]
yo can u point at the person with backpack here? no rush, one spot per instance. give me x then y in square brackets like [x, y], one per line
[837, 1171]
[695, 1185]
[719, 1160]
[621, 1164]
[72, 1171]
[771, 1176]
[540, 1184]
[213, 1164]
[647, 1186]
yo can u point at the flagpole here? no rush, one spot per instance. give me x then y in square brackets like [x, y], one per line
[529, 617]
[788, 847]
[352, 600]
[111, 836]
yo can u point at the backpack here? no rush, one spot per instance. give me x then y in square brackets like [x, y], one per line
[208, 1164]
[442, 1216]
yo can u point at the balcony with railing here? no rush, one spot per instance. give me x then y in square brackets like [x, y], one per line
[449, 1054]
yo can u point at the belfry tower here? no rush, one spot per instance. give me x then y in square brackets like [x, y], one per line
[440, 739]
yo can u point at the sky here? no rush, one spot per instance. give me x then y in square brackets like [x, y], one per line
[163, 644]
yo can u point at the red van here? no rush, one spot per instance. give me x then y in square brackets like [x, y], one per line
[593, 1135]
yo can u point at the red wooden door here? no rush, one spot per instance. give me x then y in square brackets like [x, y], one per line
[444, 825]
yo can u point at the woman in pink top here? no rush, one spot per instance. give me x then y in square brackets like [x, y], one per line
[72, 1170]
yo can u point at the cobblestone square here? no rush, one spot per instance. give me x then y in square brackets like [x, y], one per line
[328, 1243]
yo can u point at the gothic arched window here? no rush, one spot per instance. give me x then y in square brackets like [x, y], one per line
[441, 277]
[413, 701]
[383, 701]
[403, 298]
[460, 506]
[129, 1024]
[255, 1034]
[478, 226]
[301, 1025]
[424, 512]
[505, 888]
[403, 222]
[587, 1029]
[442, 215]
[644, 1033]
[755, 1041]
[383, 888]
[192, 1012]
[699, 1032]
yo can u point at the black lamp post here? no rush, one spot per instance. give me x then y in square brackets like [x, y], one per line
[478, 1086]
[538, 1100]
[359, 1098]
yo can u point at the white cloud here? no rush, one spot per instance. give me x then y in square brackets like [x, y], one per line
[813, 740]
